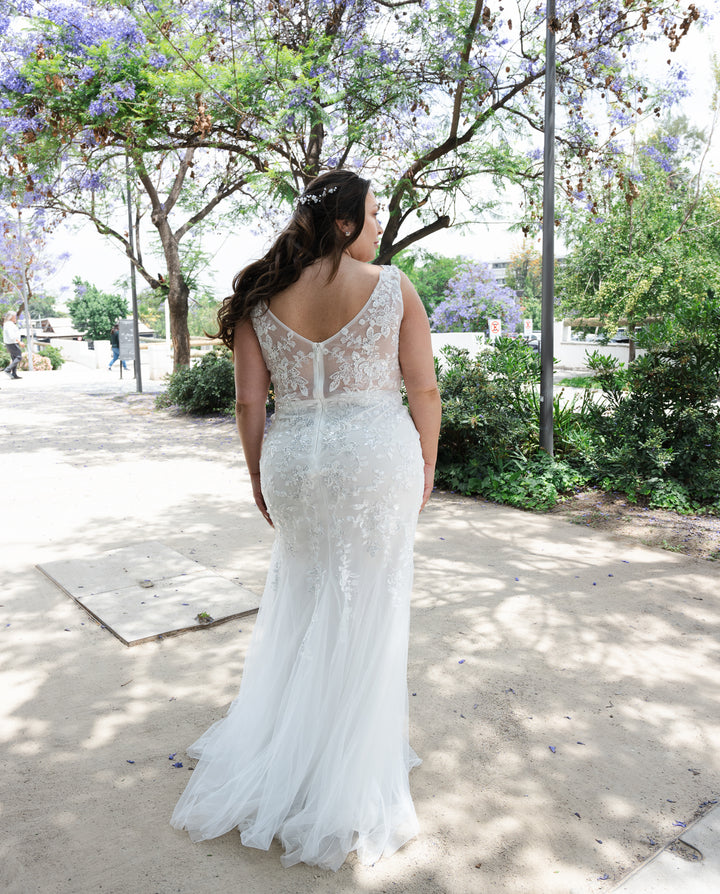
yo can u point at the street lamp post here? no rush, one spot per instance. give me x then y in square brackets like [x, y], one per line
[548, 249]
[133, 284]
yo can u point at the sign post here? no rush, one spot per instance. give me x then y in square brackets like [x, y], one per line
[126, 332]
[527, 328]
[495, 327]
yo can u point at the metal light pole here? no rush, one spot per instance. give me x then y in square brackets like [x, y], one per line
[548, 248]
[133, 284]
[23, 292]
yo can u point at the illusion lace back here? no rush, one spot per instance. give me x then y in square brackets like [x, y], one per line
[314, 750]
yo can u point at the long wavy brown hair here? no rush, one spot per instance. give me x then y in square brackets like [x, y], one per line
[312, 233]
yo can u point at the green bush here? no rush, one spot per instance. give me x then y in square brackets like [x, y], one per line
[657, 435]
[53, 354]
[490, 429]
[208, 387]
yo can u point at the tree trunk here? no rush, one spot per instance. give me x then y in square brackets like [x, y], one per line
[179, 333]
[177, 292]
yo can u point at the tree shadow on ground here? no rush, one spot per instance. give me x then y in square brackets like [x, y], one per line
[563, 685]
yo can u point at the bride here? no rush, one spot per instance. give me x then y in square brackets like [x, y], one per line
[314, 750]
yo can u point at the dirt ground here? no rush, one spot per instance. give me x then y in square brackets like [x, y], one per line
[693, 535]
[563, 681]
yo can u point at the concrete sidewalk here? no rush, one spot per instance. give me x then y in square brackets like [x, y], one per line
[564, 684]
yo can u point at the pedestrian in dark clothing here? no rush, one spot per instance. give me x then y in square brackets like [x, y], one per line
[115, 345]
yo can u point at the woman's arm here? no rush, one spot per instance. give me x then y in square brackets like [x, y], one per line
[418, 371]
[252, 381]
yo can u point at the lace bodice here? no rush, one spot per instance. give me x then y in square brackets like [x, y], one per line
[361, 357]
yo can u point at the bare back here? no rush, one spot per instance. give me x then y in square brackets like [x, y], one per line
[316, 308]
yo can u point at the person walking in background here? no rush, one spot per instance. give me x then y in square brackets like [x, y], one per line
[11, 339]
[115, 345]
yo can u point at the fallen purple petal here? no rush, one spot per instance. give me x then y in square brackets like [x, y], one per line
[130, 762]
[552, 748]
[462, 661]
[678, 823]
[177, 764]
[171, 757]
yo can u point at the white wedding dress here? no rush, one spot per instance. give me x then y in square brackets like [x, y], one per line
[314, 750]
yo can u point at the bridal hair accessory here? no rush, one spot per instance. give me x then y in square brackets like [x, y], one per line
[316, 197]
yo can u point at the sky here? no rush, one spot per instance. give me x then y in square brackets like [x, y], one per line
[98, 261]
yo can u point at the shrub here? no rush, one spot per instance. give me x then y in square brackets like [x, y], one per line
[207, 387]
[53, 354]
[658, 433]
[490, 429]
[40, 362]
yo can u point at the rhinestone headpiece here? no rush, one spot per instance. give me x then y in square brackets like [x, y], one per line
[316, 197]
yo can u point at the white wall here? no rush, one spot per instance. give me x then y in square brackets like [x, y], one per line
[569, 354]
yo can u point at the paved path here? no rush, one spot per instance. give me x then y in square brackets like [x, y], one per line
[564, 684]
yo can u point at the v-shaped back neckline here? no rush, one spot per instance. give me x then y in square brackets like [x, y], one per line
[324, 341]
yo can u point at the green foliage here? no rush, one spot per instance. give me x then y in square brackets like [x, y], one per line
[657, 434]
[53, 354]
[524, 277]
[94, 312]
[42, 306]
[653, 431]
[648, 246]
[429, 273]
[151, 311]
[202, 318]
[207, 387]
[490, 429]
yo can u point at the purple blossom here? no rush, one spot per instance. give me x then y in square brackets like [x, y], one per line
[473, 296]
[86, 73]
[158, 60]
[658, 157]
[103, 106]
[124, 90]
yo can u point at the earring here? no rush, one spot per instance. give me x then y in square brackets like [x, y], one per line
[347, 232]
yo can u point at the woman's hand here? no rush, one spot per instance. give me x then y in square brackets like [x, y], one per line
[429, 469]
[259, 499]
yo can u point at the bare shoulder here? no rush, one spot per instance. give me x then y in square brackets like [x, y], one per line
[411, 299]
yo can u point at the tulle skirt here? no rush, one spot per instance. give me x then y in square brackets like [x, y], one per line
[314, 750]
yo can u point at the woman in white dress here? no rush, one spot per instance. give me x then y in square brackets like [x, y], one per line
[314, 750]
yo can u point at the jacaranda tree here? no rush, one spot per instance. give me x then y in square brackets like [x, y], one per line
[649, 247]
[25, 262]
[248, 99]
[473, 297]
